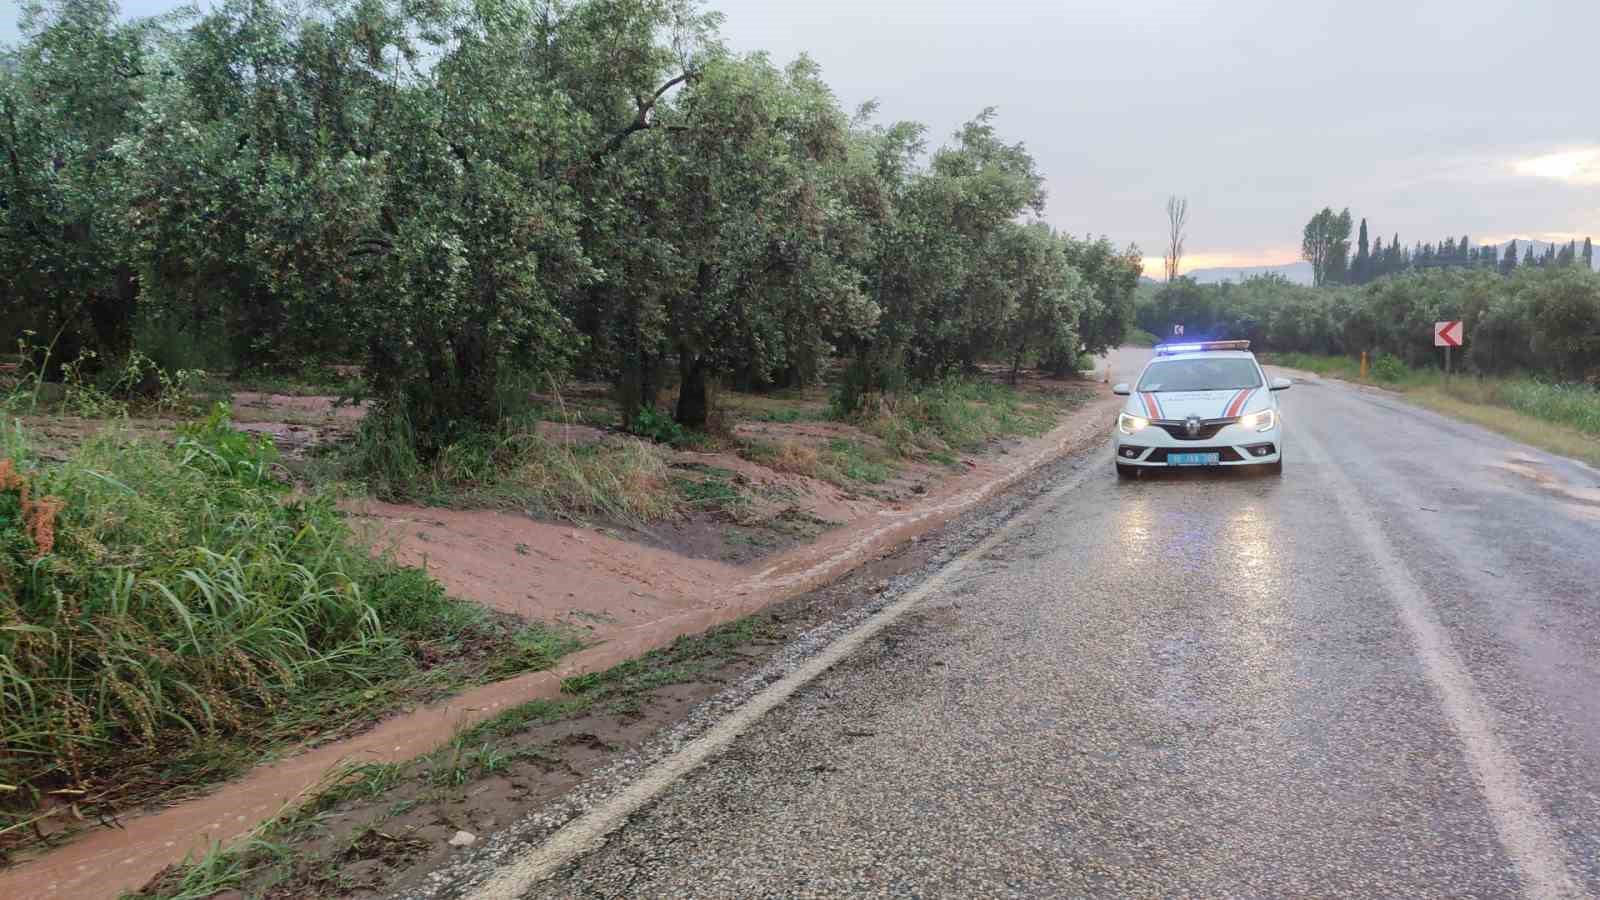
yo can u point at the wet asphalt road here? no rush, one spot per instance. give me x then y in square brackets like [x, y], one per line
[1377, 676]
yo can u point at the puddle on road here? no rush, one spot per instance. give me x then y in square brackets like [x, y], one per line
[1586, 499]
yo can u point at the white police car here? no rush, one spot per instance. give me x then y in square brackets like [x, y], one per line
[1203, 404]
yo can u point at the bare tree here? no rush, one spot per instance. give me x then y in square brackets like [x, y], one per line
[1177, 221]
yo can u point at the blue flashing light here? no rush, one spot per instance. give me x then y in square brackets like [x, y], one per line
[1197, 347]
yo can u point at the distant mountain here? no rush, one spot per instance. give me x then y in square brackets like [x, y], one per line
[1297, 272]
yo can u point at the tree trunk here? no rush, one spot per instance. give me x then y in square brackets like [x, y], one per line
[477, 385]
[791, 377]
[693, 409]
[637, 387]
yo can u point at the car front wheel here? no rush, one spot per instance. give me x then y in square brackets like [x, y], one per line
[1127, 471]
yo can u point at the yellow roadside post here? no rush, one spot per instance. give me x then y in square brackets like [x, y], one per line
[1363, 365]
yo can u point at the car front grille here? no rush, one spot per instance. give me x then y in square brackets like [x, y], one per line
[1224, 454]
[1181, 432]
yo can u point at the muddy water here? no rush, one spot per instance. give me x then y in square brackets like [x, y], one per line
[543, 571]
[674, 597]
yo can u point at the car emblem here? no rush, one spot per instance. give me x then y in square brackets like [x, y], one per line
[1192, 425]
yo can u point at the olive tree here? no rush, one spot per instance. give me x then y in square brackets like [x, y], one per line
[478, 237]
[734, 259]
[1051, 296]
[258, 178]
[1112, 277]
[68, 95]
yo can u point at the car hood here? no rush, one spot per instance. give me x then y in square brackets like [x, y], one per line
[1179, 405]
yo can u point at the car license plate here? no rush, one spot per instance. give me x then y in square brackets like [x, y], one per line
[1193, 459]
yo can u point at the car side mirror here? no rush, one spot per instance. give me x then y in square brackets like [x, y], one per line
[1280, 384]
[1122, 389]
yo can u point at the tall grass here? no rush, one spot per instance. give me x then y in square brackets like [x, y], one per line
[1336, 366]
[960, 414]
[181, 611]
[840, 461]
[1138, 337]
[620, 477]
[1575, 406]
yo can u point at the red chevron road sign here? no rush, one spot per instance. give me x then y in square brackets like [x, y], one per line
[1447, 334]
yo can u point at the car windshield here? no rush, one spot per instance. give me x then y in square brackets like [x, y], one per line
[1228, 374]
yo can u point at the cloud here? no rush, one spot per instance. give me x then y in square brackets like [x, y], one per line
[1154, 266]
[1572, 166]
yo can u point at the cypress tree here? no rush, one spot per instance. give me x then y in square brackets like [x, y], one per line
[1588, 254]
[1361, 269]
[1509, 263]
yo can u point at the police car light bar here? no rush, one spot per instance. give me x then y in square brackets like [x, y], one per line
[1170, 349]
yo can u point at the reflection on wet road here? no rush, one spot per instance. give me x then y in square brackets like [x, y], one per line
[1376, 676]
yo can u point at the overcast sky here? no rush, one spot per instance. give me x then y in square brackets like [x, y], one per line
[1429, 118]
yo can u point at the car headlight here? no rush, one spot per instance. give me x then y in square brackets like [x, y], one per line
[1265, 420]
[1129, 424]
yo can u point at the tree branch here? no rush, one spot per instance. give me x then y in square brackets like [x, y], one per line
[641, 120]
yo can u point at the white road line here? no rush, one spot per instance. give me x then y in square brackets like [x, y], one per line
[1518, 820]
[588, 832]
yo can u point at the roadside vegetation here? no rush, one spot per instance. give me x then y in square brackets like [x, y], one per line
[1530, 366]
[1532, 321]
[935, 424]
[1138, 337]
[170, 613]
[1562, 418]
[631, 476]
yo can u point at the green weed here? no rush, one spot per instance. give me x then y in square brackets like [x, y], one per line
[714, 491]
[1388, 369]
[789, 414]
[170, 615]
[651, 423]
[856, 462]
[1489, 401]
[1573, 405]
[1140, 338]
[964, 415]
[621, 478]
